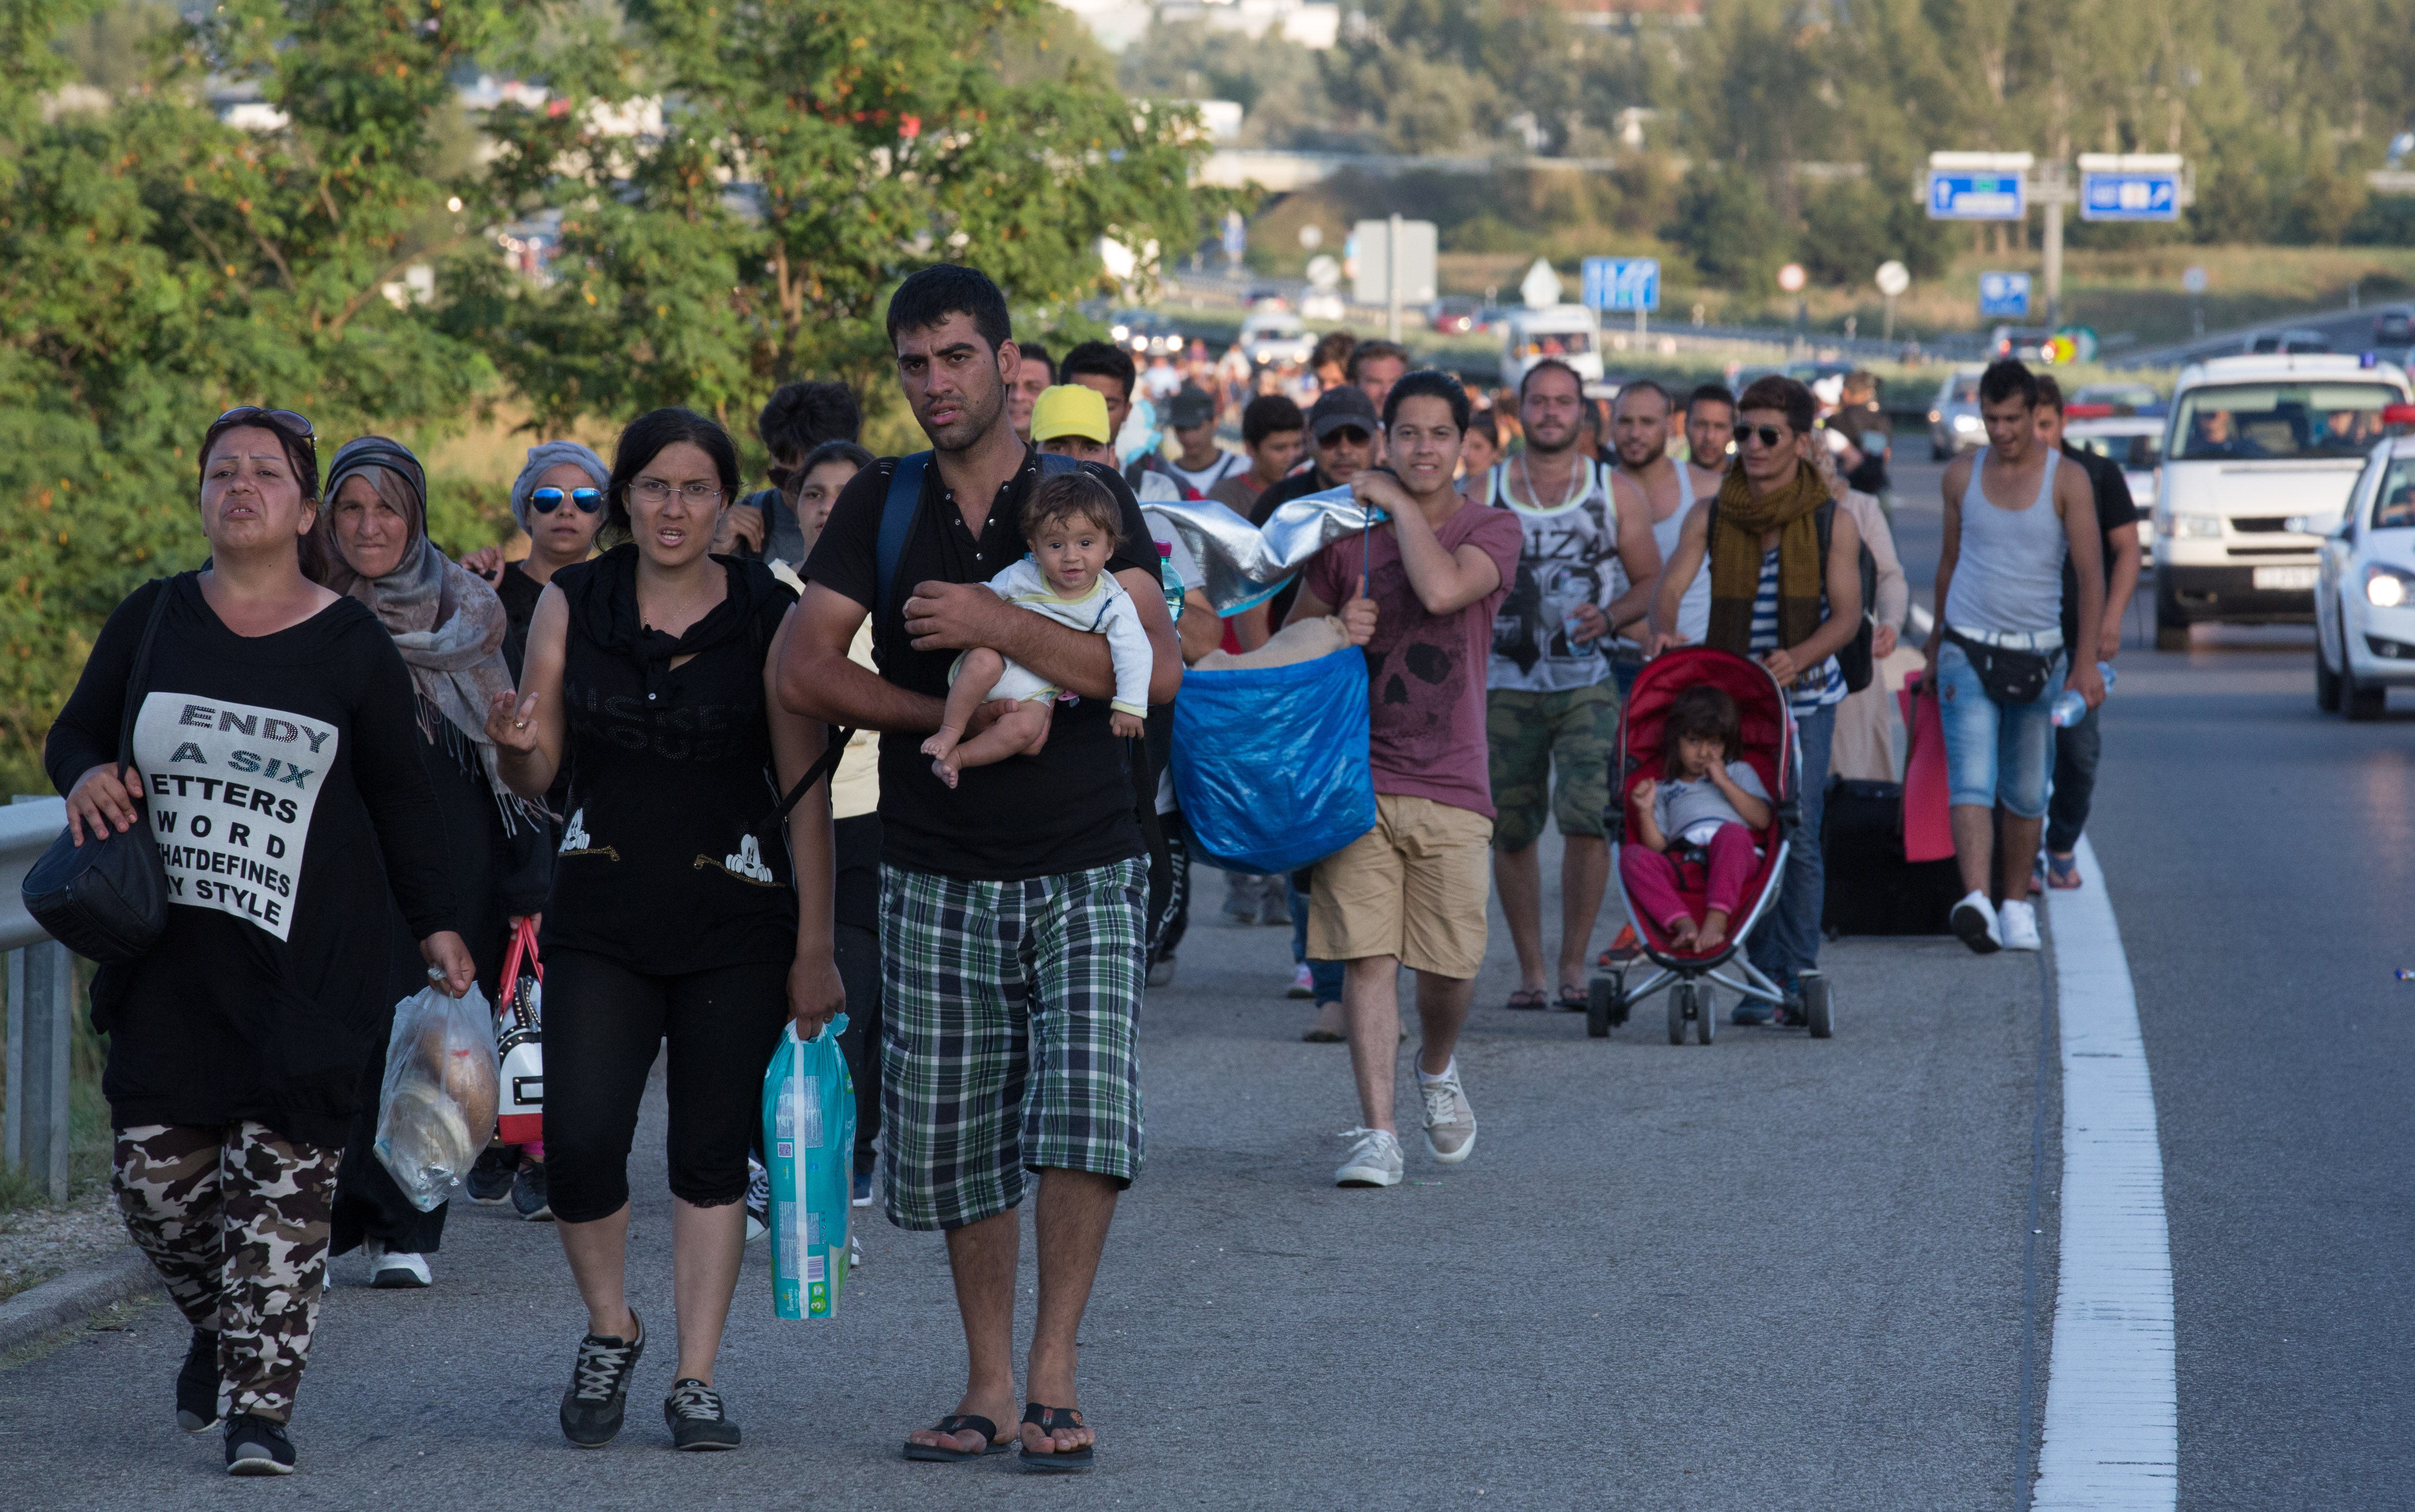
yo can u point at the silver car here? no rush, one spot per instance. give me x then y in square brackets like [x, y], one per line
[1954, 416]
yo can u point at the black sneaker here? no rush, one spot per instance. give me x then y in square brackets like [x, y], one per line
[599, 1387]
[490, 1177]
[759, 1200]
[528, 1195]
[698, 1421]
[197, 1384]
[256, 1445]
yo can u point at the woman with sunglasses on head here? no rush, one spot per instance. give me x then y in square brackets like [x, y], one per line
[448, 625]
[677, 911]
[274, 764]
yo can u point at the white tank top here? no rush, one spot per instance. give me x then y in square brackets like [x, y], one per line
[1694, 610]
[2009, 575]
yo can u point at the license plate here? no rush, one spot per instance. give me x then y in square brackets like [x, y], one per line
[2285, 578]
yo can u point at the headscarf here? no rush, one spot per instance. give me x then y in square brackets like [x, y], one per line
[543, 458]
[445, 621]
[1738, 521]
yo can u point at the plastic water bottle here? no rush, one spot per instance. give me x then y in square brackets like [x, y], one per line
[1168, 580]
[2070, 707]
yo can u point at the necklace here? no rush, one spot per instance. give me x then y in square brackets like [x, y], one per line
[1569, 495]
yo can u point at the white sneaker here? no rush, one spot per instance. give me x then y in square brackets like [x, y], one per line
[1974, 921]
[1450, 1122]
[1303, 986]
[2017, 924]
[390, 1269]
[1374, 1160]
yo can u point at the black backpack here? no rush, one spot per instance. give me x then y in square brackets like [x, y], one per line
[1855, 659]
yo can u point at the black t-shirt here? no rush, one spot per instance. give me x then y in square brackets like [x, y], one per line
[520, 593]
[2115, 508]
[1262, 508]
[666, 866]
[1068, 809]
[284, 786]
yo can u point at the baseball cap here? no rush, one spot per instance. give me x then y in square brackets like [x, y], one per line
[1070, 410]
[1190, 407]
[1339, 408]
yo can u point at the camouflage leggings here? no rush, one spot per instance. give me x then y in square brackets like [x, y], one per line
[234, 1219]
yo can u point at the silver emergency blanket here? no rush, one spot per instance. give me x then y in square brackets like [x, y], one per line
[1246, 564]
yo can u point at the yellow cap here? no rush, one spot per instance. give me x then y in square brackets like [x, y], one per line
[1070, 410]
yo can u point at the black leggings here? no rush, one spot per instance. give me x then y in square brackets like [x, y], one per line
[603, 1024]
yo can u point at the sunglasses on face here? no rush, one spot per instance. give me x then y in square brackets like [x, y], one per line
[1347, 436]
[546, 501]
[1769, 436]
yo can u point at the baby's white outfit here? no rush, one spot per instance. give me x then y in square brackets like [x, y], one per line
[1106, 610]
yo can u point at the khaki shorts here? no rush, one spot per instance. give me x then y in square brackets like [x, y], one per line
[1414, 887]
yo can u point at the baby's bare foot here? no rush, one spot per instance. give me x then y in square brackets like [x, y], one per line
[1682, 934]
[1715, 931]
[945, 770]
[940, 744]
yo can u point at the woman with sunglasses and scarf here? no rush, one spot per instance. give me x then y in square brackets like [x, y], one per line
[448, 625]
[274, 764]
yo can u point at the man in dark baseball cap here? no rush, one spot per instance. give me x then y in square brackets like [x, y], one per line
[1191, 414]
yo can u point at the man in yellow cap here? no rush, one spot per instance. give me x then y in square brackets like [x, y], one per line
[1071, 421]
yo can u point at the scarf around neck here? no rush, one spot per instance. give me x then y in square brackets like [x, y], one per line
[1738, 521]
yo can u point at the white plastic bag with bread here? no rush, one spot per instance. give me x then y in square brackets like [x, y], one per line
[436, 1109]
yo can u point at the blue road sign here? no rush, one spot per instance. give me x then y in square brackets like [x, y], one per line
[2130, 196]
[2003, 296]
[1965, 196]
[1236, 236]
[1622, 283]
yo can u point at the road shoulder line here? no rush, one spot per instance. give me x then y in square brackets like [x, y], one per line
[2111, 1438]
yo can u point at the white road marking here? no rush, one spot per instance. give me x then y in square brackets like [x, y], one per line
[2112, 1409]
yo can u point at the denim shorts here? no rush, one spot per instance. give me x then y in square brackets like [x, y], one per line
[1995, 754]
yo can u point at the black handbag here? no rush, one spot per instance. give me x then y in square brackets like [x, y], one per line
[106, 899]
[2012, 677]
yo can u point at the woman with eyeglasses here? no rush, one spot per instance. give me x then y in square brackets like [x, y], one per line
[677, 910]
[275, 763]
[448, 625]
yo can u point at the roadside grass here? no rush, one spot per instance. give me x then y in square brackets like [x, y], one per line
[88, 1130]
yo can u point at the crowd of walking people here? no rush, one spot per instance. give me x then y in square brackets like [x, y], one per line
[367, 765]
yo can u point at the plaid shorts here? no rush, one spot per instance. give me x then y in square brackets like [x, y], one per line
[1010, 1012]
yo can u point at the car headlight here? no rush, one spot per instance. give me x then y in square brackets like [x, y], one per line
[2387, 587]
[1966, 422]
[2200, 526]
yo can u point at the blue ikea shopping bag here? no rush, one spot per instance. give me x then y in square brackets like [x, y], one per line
[1270, 763]
[809, 1152]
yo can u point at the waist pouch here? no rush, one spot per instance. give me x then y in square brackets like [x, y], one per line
[2010, 676]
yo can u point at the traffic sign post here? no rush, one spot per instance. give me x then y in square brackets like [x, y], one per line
[1617, 283]
[1892, 279]
[2003, 296]
[1978, 185]
[1395, 264]
[2137, 185]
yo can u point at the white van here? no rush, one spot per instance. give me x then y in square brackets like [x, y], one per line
[1571, 333]
[2259, 455]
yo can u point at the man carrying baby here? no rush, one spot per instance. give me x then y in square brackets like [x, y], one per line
[1011, 920]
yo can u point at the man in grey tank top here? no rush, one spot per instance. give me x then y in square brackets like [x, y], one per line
[2011, 515]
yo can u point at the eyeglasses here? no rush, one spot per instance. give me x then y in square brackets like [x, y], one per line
[653, 491]
[1347, 436]
[1769, 434]
[546, 501]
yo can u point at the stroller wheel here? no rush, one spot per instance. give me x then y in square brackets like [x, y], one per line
[1605, 1006]
[1681, 1004]
[1818, 1012]
[1706, 1021]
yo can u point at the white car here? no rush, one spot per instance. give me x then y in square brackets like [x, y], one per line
[2365, 589]
[1571, 333]
[1271, 336]
[2259, 455]
[2136, 444]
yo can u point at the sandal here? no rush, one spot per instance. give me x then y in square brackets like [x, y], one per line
[2062, 872]
[952, 1425]
[1573, 1000]
[1526, 997]
[1055, 1461]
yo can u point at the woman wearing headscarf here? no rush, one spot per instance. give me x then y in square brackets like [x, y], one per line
[449, 627]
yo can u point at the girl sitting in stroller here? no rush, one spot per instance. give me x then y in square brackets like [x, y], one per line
[1705, 809]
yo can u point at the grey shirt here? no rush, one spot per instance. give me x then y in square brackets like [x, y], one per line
[1692, 811]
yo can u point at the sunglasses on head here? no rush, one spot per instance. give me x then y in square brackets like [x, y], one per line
[286, 421]
[1768, 435]
[546, 501]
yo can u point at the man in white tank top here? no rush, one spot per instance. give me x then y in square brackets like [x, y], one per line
[2011, 515]
[1648, 479]
[1549, 700]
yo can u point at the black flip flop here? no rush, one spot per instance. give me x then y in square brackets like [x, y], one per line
[1526, 997]
[1054, 1462]
[1571, 1000]
[952, 1426]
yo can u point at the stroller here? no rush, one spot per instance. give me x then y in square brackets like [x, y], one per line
[1768, 737]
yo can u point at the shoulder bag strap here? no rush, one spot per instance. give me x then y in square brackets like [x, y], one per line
[824, 766]
[898, 512]
[140, 679]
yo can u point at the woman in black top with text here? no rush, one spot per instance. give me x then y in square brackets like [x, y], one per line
[449, 627]
[676, 912]
[274, 761]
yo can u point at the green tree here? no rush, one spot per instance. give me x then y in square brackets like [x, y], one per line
[1726, 223]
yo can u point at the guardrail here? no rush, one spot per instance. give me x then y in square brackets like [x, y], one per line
[41, 1001]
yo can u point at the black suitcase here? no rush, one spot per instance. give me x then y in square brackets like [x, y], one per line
[1872, 889]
